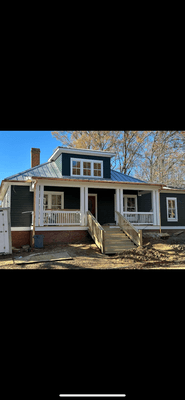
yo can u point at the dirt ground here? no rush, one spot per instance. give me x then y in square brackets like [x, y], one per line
[156, 253]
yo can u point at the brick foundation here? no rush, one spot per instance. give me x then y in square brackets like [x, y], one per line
[51, 237]
[20, 238]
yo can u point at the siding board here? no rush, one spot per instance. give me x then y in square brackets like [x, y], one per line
[71, 195]
[21, 200]
[66, 163]
[180, 209]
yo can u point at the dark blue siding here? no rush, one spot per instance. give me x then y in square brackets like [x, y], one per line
[144, 202]
[66, 163]
[105, 200]
[21, 200]
[71, 195]
[180, 209]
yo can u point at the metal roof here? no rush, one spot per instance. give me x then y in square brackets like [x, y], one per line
[50, 170]
[119, 177]
[46, 170]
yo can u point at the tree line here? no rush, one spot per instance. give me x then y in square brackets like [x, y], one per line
[154, 156]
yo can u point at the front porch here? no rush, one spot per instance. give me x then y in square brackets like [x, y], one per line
[66, 206]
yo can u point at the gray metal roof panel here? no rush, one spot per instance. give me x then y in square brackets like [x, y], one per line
[50, 170]
[119, 177]
[46, 170]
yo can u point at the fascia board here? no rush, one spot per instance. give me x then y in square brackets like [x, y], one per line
[98, 183]
[72, 150]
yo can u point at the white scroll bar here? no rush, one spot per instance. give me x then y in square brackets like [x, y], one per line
[92, 395]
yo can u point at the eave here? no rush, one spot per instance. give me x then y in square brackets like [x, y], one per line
[59, 150]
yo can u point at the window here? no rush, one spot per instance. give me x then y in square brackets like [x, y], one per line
[90, 168]
[76, 167]
[172, 209]
[130, 203]
[53, 200]
[86, 168]
[97, 169]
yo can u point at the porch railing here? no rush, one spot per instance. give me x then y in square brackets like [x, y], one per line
[52, 217]
[142, 218]
[96, 231]
[131, 231]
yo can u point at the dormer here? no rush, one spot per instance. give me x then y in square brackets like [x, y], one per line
[83, 163]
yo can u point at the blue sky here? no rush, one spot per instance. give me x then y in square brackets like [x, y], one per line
[15, 147]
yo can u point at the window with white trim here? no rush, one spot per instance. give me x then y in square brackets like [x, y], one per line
[90, 168]
[171, 203]
[53, 200]
[130, 203]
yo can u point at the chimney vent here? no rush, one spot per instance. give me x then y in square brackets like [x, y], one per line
[35, 157]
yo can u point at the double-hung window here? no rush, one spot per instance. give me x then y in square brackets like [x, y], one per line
[86, 168]
[53, 200]
[171, 209]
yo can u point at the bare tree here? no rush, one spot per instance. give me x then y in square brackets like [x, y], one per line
[163, 159]
[126, 144]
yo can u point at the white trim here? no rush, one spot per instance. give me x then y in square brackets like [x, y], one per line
[82, 205]
[59, 150]
[49, 198]
[41, 204]
[131, 196]
[85, 204]
[93, 184]
[154, 207]
[37, 204]
[21, 228]
[96, 203]
[121, 200]
[144, 227]
[174, 191]
[19, 183]
[59, 228]
[176, 212]
[92, 162]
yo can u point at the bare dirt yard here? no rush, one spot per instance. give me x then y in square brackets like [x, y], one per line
[156, 253]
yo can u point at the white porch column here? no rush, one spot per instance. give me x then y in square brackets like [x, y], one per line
[86, 204]
[41, 204]
[154, 206]
[117, 208]
[121, 201]
[157, 207]
[37, 205]
[82, 205]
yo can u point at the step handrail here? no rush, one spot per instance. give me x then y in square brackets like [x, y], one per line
[96, 231]
[131, 231]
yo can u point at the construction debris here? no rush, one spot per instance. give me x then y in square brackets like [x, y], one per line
[178, 233]
[163, 235]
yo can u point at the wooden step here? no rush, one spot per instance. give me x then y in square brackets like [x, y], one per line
[116, 241]
[114, 250]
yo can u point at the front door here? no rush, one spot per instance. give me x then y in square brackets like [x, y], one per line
[92, 205]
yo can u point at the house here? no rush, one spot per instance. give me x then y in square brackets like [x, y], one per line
[76, 192]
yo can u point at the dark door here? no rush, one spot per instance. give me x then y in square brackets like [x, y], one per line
[91, 204]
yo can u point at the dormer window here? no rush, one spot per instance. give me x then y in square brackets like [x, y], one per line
[86, 168]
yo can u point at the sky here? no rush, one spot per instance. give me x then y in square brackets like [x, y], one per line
[15, 148]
